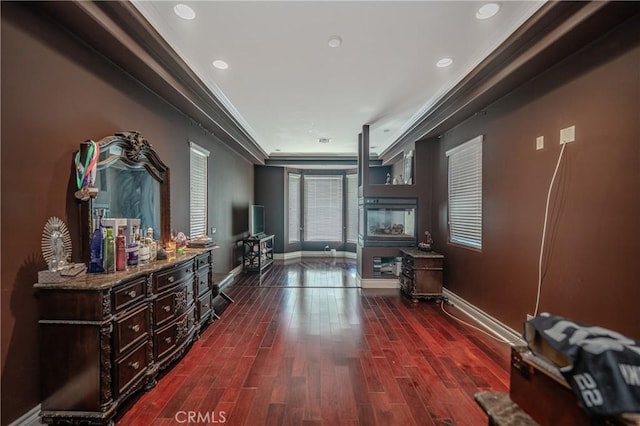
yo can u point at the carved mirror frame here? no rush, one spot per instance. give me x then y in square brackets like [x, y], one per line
[136, 152]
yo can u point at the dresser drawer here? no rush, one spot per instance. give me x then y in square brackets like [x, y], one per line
[203, 260]
[204, 306]
[173, 303]
[129, 294]
[131, 329]
[202, 281]
[428, 263]
[130, 368]
[170, 277]
[171, 336]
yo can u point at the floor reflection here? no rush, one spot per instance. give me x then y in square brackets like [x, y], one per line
[321, 273]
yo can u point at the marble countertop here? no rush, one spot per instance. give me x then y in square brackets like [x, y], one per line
[414, 252]
[93, 281]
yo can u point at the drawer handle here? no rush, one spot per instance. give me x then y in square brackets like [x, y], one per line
[134, 365]
[132, 294]
[171, 279]
[135, 328]
[167, 339]
[167, 308]
[205, 306]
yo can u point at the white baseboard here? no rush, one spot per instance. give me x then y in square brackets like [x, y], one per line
[30, 418]
[378, 282]
[323, 254]
[487, 321]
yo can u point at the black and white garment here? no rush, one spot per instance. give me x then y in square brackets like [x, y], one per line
[605, 365]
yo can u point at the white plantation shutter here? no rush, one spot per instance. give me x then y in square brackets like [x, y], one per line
[294, 208]
[323, 208]
[352, 208]
[465, 193]
[198, 194]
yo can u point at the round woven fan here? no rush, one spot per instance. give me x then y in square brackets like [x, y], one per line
[56, 242]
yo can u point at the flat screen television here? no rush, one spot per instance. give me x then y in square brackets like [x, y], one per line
[256, 220]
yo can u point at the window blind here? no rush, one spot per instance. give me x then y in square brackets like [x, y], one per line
[294, 208]
[465, 193]
[352, 208]
[323, 208]
[198, 176]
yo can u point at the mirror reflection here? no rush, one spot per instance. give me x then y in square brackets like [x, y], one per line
[126, 192]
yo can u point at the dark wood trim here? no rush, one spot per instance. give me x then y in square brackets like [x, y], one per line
[120, 33]
[553, 33]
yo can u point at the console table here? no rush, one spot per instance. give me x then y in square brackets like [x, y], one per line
[105, 336]
[257, 253]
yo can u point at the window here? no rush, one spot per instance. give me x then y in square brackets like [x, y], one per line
[352, 208]
[323, 208]
[198, 177]
[465, 193]
[294, 208]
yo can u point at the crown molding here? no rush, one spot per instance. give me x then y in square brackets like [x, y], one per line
[119, 32]
[550, 35]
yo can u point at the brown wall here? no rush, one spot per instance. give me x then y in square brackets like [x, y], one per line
[55, 94]
[590, 263]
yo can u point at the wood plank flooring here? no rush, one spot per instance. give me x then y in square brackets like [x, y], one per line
[290, 354]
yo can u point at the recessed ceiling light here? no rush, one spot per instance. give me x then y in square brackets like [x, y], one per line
[486, 11]
[324, 140]
[184, 11]
[220, 64]
[444, 62]
[334, 41]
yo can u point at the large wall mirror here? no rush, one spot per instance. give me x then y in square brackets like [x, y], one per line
[132, 183]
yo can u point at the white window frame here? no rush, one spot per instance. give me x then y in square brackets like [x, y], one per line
[294, 204]
[464, 194]
[351, 206]
[333, 230]
[198, 184]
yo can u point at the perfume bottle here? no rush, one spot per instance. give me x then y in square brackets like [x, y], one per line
[121, 255]
[96, 245]
[109, 252]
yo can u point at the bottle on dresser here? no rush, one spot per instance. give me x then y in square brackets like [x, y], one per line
[96, 245]
[153, 246]
[132, 251]
[143, 250]
[121, 255]
[109, 252]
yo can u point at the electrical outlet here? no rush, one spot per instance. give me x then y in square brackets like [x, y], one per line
[213, 231]
[568, 134]
[539, 142]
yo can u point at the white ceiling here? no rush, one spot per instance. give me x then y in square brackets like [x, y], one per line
[288, 88]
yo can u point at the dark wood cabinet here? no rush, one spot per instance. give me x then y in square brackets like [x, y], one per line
[421, 275]
[257, 253]
[106, 336]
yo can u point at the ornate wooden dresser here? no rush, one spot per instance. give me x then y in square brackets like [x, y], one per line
[105, 336]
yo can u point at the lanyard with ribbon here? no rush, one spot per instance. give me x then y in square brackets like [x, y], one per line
[83, 171]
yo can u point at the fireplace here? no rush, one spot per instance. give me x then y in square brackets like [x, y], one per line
[388, 222]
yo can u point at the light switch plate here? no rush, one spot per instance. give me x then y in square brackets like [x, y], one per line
[568, 134]
[539, 142]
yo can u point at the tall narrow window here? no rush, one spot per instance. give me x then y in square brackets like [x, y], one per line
[198, 195]
[323, 208]
[352, 208]
[465, 193]
[294, 208]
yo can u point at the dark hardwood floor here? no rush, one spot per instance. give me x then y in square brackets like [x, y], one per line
[291, 352]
